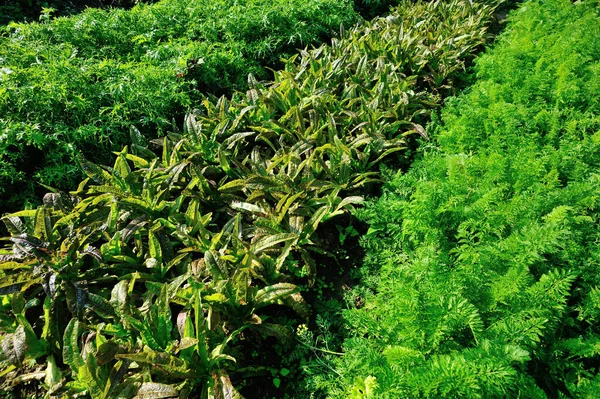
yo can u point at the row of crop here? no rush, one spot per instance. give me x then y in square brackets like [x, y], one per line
[487, 249]
[30, 10]
[157, 276]
[76, 84]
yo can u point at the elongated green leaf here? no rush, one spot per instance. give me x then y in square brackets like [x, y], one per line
[163, 323]
[216, 266]
[106, 352]
[154, 390]
[287, 205]
[30, 244]
[94, 172]
[145, 332]
[312, 267]
[269, 295]
[71, 355]
[154, 248]
[297, 302]
[89, 376]
[12, 265]
[283, 333]
[233, 186]
[138, 162]
[187, 333]
[270, 241]
[175, 366]
[234, 138]
[18, 282]
[115, 381]
[43, 226]
[119, 296]
[14, 225]
[344, 203]
[14, 346]
[224, 389]
[200, 330]
[100, 305]
[314, 221]
[34, 346]
[53, 373]
[246, 206]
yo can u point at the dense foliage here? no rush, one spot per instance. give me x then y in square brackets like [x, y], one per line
[370, 8]
[488, 248]
[159, 275]
[77, 84]
[30, 10]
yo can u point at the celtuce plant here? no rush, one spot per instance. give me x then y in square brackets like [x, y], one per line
[75, 85]
[487, 250]
[155, 275]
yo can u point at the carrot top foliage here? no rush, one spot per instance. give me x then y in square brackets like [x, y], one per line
[488, 246]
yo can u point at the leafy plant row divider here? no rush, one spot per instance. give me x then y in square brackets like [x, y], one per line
[153, 275]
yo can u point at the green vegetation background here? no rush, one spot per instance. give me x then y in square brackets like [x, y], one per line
[183, 271]
[483, 260]
[77, 84]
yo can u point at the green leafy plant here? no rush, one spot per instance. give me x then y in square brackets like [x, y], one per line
[33, 10]
[80, 262]
[210, 224]
[486, 250]
[75, 85]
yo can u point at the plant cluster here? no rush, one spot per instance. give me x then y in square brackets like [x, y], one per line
[30, 10]
[76, 84]
[487, 249]
[157, 274]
